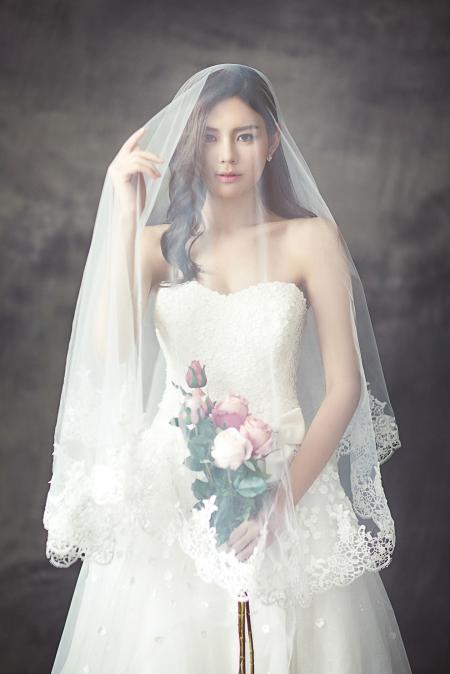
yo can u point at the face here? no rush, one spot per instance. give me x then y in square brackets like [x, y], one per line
[235, 141]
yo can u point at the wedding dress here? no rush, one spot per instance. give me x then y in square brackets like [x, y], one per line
[148, 611]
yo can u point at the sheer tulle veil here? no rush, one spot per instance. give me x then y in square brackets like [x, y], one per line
[103, 480]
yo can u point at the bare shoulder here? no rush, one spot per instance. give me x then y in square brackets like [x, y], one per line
[155, 267]
[307, 236]
[312, 231]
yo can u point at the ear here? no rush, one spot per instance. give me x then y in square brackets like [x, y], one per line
[274, 142]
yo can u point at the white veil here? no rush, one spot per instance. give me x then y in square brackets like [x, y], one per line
[104, 481]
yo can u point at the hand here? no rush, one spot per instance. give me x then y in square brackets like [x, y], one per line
[131, 160]
[244, 538]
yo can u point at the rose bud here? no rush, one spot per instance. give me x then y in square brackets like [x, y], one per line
[198, 405]
[195, 375]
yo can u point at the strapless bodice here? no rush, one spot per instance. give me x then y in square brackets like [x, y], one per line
[248, 341]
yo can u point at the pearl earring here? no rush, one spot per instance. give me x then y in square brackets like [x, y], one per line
[269, 157]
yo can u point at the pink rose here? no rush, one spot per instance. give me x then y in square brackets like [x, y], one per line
[230, 449]
[260, 435]
[198, 405]
[195, 375]
[232, 410]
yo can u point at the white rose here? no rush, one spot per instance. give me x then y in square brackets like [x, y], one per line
[231, 448]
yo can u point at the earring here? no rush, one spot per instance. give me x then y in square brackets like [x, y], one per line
[269, 157]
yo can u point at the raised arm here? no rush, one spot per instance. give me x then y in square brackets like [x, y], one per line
[321, 256]
[116, 311]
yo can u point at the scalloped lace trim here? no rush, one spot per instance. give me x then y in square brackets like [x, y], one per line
[330, 547]
[387, 438]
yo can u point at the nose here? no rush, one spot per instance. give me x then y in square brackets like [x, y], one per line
[227, 152]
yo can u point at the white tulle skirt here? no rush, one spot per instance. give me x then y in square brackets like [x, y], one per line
[142, 614]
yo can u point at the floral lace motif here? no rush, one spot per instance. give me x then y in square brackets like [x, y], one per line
[385, 430]
[119, 483]
[326, 546]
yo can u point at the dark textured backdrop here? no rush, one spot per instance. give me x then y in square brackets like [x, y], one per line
[363, 89]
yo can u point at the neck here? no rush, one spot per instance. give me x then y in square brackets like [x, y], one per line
[225, 216]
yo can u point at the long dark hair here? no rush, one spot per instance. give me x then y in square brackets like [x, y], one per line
[187, 191]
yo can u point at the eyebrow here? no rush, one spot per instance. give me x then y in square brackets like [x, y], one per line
[238, 128]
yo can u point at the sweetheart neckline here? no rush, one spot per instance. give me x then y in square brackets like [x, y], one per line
[251, 287]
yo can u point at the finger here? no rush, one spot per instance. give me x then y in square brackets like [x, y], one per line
[132, 141]
[136, 156]
[143, 165]
[250, 534]
[237, 533]
[246, 552]
[148, 155]
[243, 544]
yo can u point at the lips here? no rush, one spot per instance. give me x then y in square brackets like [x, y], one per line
[227, 177]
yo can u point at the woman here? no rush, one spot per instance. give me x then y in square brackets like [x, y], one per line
[256, 497]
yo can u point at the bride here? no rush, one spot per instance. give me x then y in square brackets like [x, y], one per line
[224, 413]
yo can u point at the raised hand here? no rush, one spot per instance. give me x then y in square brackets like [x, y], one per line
[130, 161]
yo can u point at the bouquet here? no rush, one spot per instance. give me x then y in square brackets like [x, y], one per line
[228, 445]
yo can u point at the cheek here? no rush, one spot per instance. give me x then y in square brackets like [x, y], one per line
[255, 159]
[206, 160]
[254, 168]
[207, 166]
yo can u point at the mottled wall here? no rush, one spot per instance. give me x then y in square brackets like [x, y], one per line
[363, 89]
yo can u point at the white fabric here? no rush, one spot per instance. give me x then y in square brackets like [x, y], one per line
[149, 612]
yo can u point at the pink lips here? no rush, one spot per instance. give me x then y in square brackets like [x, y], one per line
[227, 177]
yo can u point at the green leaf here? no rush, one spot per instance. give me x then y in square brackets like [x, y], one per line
[224, 514]
[199, 442]
[246, 509]
[251, 486]
[202, 489]
[193, 463]
[219, 475]
[206, 427]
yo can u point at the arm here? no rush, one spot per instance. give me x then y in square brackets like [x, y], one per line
[314, 247]
[115, 315]
[327, 280]
[153, 268]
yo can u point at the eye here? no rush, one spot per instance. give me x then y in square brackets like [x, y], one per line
[249, 136]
